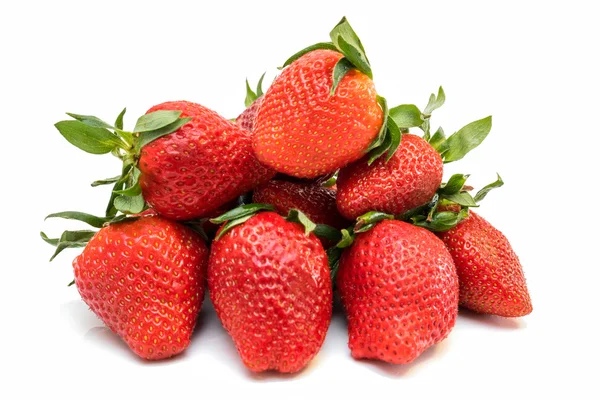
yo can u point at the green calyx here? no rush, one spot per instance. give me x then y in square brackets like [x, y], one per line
[252, 95]
[343, 40]
[95, 136]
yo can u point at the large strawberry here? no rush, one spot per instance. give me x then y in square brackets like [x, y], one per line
[313, 199]
[490, 274]
[144, 278]
[399, 287]
[322, 112]
[270, 284]
[407, 180]
[182, 159]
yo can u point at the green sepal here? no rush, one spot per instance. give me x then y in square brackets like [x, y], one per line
[462, 198]
[347, 42]
[486, 189]
[380, 138]
[434, 102]
[333, 258]
[230, 224]
[454, 184]
[347, 238]
[130, 204]
[441, 221]
[69, 239]
[317, 46]
[467, 138]
[395, 135]
[71, 283]
[106, 181]
[369, 220]
[150, 136]
[342, 67]
[331, 181]
[91, 139]
[121, 218]
[438, 141]
[406, 116]
[251, 95]
[132, 187]
[92, 220]
[90, 120]
[242, 211]
[119, 120]
[156, 120]
[327, 232]
[301, 218]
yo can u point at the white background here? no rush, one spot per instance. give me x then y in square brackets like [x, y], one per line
[532, 65]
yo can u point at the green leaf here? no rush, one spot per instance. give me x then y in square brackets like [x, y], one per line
[342, 67]
[259, 89]
[454, 185]
[333, 257]
[230, 224]
[406, 116]
[368, 220]
[156, 120]
[347, 238]
[119, 120]
[122, 218]
[441, 221]
[383, 130]
[129, 204]
[242, 211]
[133, 187]
[331, 181]
[52, 242]
[148, 137]
[381, 149]
[327, 232]
[395, 138]
[250, 95]
[301, 218]
[348, 43]
[71, 283]
[462, 198]
[90, 120]
[438, 141]
[486, 189]
[317, 46]
[92, 220]
[111, 210]
[467, 138]
[435, 102]
[106, 181]
[71, 239]
[90, 139]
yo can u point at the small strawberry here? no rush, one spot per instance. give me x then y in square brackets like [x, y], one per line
[314, 200]
[253, 101]
[270, 285]
[408, 180]
[490, 274]
[144, 278]
[322, 112]
[399, 287]
[182, 159]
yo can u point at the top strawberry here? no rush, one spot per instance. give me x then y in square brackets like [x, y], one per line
[322, 112]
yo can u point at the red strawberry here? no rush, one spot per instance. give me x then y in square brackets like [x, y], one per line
[408, 180]
[201, 166]
[316, 201]
[304, 131]
[271, 288]
[399, 287]
[145, 280]
[490, 274]
[246, 118]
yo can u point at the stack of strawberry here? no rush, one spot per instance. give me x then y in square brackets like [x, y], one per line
[317, 188]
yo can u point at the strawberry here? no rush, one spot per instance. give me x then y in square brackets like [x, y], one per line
[322, 112]
[314, 200]
[270, 285]
[203, 165]
[409, 179]
[490, 274]
[399, 288]
[145, 279]
[182, 159]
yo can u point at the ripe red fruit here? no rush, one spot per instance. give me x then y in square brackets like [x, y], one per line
[203, 165]
[145, 280]
[408, 180]
[271, 288]
[246, 118]
[303, 131]
[314, 200]
[490, 274]
[399, 287]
